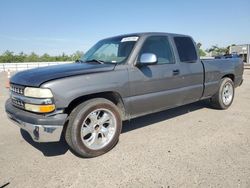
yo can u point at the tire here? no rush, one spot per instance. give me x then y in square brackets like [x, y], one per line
[94, 127]
[218, 100]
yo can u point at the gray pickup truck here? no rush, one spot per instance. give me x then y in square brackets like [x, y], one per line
[119, 78]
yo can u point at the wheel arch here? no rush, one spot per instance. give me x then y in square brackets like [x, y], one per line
[230, 75]
[112, 96]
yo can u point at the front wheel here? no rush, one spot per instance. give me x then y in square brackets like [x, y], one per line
[225, 95]
[94, 127]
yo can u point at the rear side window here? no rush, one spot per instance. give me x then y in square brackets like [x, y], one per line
[186, 49]
[159, 45]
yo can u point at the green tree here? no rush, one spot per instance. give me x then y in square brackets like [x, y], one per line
[215, 50]
[32, 58]
[11, 57]
[45, 58]
[76, 55]
[228, 48]
[20, 57]
[64, 57]
[8, 56]
[201, 52]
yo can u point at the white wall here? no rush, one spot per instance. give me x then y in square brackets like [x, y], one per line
[24, 66]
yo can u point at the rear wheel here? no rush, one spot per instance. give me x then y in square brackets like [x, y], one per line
[225, 95]
[94, 127]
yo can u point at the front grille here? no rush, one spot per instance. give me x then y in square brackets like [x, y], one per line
[17, 103]
[17, 89]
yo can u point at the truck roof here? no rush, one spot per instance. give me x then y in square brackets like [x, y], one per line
[140, 34]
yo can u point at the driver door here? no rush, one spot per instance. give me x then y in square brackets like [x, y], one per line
[155, 87]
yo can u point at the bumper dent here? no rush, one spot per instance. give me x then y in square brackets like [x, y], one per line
[41, 128]
[40, 133]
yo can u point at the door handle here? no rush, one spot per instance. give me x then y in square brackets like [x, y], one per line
[176, 72]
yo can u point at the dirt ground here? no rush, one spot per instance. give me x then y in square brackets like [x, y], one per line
[189, 146]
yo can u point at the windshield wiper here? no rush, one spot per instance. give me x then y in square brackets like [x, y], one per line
[95, 60]
[79, 61]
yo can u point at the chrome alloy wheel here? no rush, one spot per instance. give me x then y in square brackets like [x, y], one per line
[227, 93]
[98, 129]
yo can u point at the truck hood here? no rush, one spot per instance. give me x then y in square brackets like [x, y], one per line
[35, 77]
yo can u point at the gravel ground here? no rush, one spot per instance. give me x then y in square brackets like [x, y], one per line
[189, 146]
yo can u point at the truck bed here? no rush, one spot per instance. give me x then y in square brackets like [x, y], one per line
[215, 69]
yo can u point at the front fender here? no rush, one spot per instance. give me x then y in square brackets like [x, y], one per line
[67, 89]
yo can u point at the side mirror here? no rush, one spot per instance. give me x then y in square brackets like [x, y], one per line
[148, 59]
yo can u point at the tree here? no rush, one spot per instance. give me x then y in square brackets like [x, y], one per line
[64, 57]
[228, 48]
[32, 58]
[20, 57]
[8, 56]
[11, 57]
[77, 55]
[45, 58]
[199, 45]
[215, 50]
[201, 52]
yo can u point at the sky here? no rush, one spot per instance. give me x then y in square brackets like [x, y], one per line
[57, 26]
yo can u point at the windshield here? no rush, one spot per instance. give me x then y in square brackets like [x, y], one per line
[112, 50]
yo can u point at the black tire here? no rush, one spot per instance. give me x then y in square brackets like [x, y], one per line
[76, 118]
[67, 135]
[217, 99]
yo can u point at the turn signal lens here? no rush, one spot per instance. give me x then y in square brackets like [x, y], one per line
[40, 108]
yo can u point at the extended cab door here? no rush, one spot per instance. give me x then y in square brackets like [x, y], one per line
[155, 87]
[191, 68]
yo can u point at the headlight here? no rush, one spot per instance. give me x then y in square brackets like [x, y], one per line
[37, 92]
[40, 108]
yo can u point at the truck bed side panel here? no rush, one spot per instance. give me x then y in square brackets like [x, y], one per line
[216, 69]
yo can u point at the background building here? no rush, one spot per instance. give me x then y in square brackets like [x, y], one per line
[242, 50]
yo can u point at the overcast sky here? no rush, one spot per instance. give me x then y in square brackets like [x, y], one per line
[56, 26]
